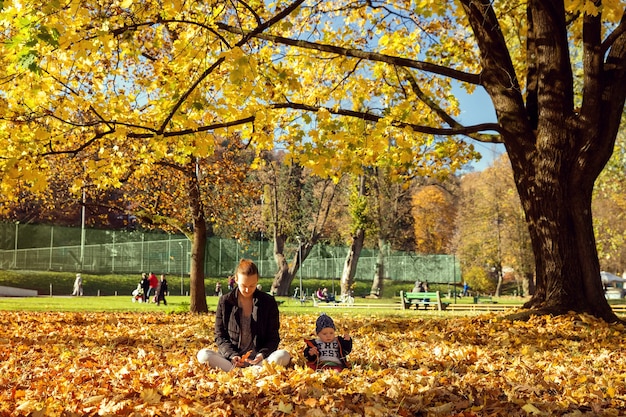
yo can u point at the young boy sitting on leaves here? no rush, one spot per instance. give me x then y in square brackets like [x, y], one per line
[327, 351]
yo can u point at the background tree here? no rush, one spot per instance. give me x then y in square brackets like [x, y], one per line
[434, 212]
[479, 279]
[197, 199]
[358, 210]
[61, 201]
[492, 232]
[475, 240]
[297, 204]
[391, 214]
[609, 205]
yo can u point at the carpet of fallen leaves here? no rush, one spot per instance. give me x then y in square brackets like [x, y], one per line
[129, 364]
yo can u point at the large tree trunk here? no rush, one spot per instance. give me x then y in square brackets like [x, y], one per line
[555, 182]
[556, 150]
[557, 201]
[197, 291]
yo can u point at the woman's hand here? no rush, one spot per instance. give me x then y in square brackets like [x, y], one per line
[256, 360]
[241, 361]
[237, 361]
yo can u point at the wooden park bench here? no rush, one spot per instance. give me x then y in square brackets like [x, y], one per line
[484, 299]
[422, 298]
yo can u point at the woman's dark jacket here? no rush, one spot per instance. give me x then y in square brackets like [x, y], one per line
[265, 324]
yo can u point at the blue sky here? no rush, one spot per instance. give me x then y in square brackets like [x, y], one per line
[477, 108]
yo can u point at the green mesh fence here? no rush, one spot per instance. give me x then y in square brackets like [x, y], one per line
[56, 248]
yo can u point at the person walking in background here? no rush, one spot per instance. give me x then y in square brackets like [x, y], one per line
[145, 287]
[153, 284]
[78, 285]
[161, 291]
[247, 326]
[231, 283]
[328, 351]
[218, 289]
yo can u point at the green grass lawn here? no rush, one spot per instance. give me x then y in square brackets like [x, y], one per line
[94, 304]
[177, 304]
[113, 293]
[105, 285]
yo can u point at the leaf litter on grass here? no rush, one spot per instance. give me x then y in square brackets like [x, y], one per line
[136, 364]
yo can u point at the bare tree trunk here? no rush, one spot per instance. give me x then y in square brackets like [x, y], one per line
[285, 275]
[528, 285]
[197, 290]
[379, 274]
[352, 259]
[499, 281]
[281, 278]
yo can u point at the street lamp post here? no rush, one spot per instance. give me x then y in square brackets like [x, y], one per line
[298, 238]
[182, 267]
[82, 232]
[454, 276]
[17, 227]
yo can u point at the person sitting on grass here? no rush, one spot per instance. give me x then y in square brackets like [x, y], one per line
[327, 351]
[323, 295]
[246, 326]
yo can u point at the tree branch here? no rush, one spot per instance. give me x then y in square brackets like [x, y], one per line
[247, 36]
[441, 112]
[206, 128]
[357, 53]
[460, 130]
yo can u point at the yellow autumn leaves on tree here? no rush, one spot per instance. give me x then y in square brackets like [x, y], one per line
[136, 83]
[128, 364]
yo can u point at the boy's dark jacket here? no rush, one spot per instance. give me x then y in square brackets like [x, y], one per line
[345, 347]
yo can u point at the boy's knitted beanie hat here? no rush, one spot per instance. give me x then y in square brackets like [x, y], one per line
[324, 321]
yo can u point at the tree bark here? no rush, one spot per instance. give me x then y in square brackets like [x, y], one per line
[499, 277]
[568, 273]
[197, 291]
[528, 285]
[352, 259]
[358, 239]
[285, 274]
[379, 274]
[282, 278]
